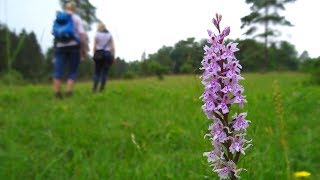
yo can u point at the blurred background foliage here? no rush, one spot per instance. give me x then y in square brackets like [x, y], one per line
[184, 57]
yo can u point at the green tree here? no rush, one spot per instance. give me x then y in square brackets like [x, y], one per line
[312, 66]
[21, 55]
[162, 56]
[152, 67]
[85, 9]
[11, 46]
[288, 55]
[119, 68]
[134, 67]
[304, 56]
[283, 56]
[250, 54]
[3, 46]
[29, 60]
[197, 55]
[48, 64]
[265, 12]
[186, 68]
[85, 71]
[185, 51]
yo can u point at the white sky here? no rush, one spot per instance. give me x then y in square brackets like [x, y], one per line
[147, 25]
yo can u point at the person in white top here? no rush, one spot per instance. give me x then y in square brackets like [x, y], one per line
[104, 53]
[68, 54]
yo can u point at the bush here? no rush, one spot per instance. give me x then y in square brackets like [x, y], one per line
[151, 67]
[129, 75]
[158, 69]
[12, 77]
[315, 73]
[312, 66]
[186, 68]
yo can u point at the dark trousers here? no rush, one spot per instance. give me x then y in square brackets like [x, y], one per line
[101, 71]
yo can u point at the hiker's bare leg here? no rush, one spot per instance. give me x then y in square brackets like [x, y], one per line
[56, 85]
[70, 84]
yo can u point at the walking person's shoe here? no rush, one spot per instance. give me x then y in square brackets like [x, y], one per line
[94, 88]
[101, 89]
[102, 85]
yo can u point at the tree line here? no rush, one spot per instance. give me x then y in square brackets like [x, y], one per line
[21, 56]
[184, 57]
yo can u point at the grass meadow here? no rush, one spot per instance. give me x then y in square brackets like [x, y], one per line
[154, 129]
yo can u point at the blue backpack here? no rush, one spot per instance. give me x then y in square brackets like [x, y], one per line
[63, 28]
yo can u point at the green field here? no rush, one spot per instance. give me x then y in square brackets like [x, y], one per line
[152, 129]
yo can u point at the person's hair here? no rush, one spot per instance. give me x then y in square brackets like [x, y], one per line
[70, 5]
[101, 27]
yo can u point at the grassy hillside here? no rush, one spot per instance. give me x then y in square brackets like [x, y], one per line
[151, 129]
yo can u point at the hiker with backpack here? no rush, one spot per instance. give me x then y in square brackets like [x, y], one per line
[104, 53]
[69, 45]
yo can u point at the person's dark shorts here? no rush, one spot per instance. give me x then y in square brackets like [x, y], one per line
[66, 57]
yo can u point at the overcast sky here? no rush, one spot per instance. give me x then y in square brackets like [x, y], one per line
[147, 25]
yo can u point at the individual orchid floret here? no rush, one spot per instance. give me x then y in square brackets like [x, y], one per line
[239, 122]
[215, 154]
[217, 132]
[223, 106]
[238, 143]
[232, 47]
[227, 169]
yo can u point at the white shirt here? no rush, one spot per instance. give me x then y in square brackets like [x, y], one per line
[103, 41]
[79, 27]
